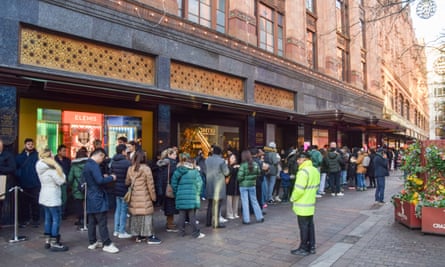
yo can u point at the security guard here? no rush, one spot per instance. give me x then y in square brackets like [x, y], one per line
[303, 199]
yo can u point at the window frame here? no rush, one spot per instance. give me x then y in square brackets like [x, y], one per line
[276, 40]
[184, 11]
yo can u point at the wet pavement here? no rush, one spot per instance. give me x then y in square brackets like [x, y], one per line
[350, 231]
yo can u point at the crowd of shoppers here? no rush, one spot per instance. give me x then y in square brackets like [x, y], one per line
[262, 177]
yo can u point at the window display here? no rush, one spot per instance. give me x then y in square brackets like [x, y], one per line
[200, 137]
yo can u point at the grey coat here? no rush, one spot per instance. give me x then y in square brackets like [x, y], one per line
[216, 172]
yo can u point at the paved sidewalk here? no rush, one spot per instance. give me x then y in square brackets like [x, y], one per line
[350, 231]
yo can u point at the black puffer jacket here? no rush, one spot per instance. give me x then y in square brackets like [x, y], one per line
[119, 166]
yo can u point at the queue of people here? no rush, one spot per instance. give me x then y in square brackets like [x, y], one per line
[260, 178]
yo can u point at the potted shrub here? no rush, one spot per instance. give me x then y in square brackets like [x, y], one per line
[433, 200]
[406, 200]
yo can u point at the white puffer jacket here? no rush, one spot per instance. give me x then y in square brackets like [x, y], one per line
[50, 192]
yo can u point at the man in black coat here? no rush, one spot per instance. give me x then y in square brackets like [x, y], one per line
[119, 167]
[7, 169]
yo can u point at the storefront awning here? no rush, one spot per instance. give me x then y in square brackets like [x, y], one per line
[341, 119]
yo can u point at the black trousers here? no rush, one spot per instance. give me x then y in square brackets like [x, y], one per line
[191, 215]
[213, 208]
[29, 208]
[307, 232]
[99, 219]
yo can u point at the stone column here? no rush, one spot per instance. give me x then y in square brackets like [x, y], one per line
[242, 21]
[296, 31]
[327, 38]
[163, 140]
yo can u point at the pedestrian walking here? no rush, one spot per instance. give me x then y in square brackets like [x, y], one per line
[303, 199]
[380, 171]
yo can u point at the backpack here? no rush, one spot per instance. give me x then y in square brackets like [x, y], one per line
[366, 161]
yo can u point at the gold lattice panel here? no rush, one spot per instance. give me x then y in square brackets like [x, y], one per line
[272, 96]
[48, 50]
[188, 78]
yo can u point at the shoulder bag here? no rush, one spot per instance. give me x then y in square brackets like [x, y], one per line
[169, 190]
[127, 196]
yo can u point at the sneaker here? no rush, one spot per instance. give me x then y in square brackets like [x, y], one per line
[322, 193]
[230, 217]
[98, 244]
[278, 199]
[201, 235]
[172, 230]
[153, 240]
[139, 239]
[318, 196]
[264, 206]
[111, 248]
[115, 233]
[222, 219]
[333, 194]
[340, 194]
[236, 216]
[124, 235]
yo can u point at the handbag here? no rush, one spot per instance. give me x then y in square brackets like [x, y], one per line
[169, 189]
[127, 196]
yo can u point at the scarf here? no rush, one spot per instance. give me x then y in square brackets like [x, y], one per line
[53, 165]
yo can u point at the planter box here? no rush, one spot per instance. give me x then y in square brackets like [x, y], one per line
[405, 213]
[433, 220]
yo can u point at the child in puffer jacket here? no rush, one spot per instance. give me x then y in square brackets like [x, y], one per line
[285, 184]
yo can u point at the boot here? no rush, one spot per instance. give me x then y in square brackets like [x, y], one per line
[47, 241]
[56, 246]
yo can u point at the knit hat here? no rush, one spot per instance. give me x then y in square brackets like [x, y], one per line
[272, 145]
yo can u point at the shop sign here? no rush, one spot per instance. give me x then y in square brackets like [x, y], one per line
[75, 117]
[208, 131]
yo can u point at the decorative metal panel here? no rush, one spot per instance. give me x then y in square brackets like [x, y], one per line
[198, 80]
[272, 96]
[52, 51]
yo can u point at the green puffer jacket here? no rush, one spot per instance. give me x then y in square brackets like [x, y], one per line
[246, 178]
[74, 177]
[187, 183]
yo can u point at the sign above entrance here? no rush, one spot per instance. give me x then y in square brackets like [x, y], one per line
[75, 117]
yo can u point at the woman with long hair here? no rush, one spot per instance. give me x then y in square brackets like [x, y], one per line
[167, 166]
[247, 174]
[143, 194]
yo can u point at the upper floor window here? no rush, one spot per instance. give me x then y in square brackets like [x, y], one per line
[208, 13]
[311, 49]
[271, 30]
[439, 91]
[310, 6]
[341, 15]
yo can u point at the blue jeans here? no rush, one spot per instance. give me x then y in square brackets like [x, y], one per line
[53, 216]
[380, 190]
[249, 193]
[270, 185]
[343, 174]
[264, 190]
[120, 215]
[361, 180]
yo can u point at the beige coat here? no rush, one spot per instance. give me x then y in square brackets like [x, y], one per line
[143, 194]
[360, 167]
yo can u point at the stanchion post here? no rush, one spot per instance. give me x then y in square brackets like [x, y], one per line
[16, 238]
[84, 228]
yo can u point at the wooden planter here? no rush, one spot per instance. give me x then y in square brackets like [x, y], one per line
[433, 220]
[405, 213]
